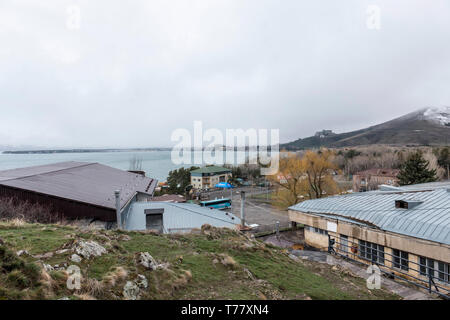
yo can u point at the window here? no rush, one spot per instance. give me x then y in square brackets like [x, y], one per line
[371, 251]
[344, 244]
[423, 266]
[426, 266]
[437, 269]
[444, 269]
[400, 259]
[317, 230]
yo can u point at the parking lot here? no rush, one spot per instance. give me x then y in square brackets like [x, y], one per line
[257, 210]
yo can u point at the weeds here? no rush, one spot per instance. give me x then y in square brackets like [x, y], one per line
[18, 212]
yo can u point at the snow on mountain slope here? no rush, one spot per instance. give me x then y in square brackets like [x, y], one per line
[438, 114]
[426, 126]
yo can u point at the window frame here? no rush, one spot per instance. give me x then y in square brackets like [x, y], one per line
[399, 261]
[367, 250]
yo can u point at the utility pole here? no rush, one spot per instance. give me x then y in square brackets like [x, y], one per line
[242, 209]
[118, 217]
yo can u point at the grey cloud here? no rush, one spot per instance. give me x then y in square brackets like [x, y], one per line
[134, 72]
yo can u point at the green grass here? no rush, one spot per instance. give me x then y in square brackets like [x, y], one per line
[37, 237]
[200, 255]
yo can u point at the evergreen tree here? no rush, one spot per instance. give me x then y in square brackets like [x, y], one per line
[415, 170]
[179, 179]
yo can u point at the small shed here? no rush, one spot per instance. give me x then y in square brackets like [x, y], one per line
[176, 217]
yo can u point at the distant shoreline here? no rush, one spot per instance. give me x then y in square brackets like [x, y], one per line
[51, 151]
[82, 150]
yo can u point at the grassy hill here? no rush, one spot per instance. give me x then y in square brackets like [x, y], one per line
[411, 129]
[208, 264]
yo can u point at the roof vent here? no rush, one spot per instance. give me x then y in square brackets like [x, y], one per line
[407, 204]
[385, 187]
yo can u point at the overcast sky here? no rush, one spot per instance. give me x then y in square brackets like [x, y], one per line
[127, 73]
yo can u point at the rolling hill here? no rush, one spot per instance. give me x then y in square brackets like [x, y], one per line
[427, 126]
[211, 263]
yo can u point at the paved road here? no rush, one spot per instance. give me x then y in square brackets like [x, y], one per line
[235, 192]
[257, 211]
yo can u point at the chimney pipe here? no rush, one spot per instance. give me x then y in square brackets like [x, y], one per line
[119, 220]
[242, 209]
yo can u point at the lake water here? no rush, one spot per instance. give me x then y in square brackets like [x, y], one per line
[156, 164]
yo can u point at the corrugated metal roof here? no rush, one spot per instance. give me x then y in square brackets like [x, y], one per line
[429, 220]
[427, 186]
[180, 216]
[86, 182]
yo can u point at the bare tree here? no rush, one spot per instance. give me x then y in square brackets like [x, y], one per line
[135, 163]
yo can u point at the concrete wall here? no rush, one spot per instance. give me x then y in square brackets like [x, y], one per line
[414, 246]
[209, 181]
[316, 240]
[196, 184]
[437, 251]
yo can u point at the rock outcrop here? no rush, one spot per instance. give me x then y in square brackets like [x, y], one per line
[88, 249]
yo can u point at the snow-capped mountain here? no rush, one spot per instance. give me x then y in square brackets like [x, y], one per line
[438, 114]
[427, 126]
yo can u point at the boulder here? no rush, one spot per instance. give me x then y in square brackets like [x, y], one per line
[147, 261]
[57, 267]
[88, 249]
[131, 291]
[22, 252]
[44, 255]
[249, 274]
[141, 281]
[295, 258]
[48, 267]
[75, 258]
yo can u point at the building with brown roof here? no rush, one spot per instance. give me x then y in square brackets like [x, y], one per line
[370, 179]
[77, 190]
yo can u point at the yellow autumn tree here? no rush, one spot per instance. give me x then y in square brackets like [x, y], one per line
[305, 177]
[319, 167]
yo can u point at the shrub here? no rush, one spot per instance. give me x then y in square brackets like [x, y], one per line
[18, 279]
[18, 212]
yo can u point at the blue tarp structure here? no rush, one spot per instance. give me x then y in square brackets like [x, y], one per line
[224, 185]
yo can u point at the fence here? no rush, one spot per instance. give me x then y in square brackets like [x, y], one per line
[399, 264]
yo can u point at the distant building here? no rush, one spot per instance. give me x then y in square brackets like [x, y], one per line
[76, 190]
[324, 133]
[371, 179]
[209, 176]
[405, 231]
[166, 217]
